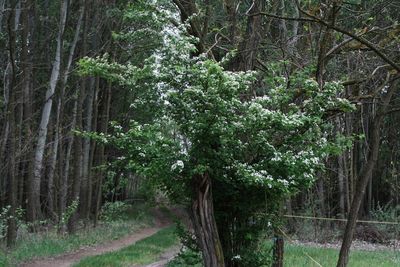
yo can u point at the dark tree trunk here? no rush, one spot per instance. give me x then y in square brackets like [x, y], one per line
[205, 227]
[278, 252]
[364, 177]
[11, 109]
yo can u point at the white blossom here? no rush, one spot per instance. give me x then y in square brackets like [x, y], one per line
[178, 165]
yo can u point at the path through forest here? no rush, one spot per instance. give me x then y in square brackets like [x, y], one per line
[68, 259]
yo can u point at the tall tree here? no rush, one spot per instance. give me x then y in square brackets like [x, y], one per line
[34, 207]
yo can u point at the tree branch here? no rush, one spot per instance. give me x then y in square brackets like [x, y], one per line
[314, 19]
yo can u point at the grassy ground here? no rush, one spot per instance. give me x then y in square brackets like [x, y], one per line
[50, 243]
[144, 251]
[295, 257]
[149, 249]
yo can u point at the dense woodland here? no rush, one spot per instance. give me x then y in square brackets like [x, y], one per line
[105, 100]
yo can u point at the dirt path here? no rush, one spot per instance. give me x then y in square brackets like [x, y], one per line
[68, 259]
[165, 257]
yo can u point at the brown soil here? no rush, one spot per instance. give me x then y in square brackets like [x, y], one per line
[68, 259]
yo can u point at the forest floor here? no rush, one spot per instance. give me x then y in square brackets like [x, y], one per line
[161, 221]
[155, 246]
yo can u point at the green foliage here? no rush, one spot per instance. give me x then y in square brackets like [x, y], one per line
[3, 221]
[190, 254]
[5, 216]
[387, 213]
[257, 147]
[114, 211]
[186, 257]
[71, 209]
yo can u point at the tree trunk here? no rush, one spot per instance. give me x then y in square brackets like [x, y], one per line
[248, 48]
[11, 107]
[85, 192]
[365, 176]
[34, 186]
[341, 184]
[102, 158]
[204, 222]
[64, 173]
[278, 252]
[78, 155]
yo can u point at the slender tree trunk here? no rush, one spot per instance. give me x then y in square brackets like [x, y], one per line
[34, 187]
[64, 173]
[85, 192]
[204, 222]
[102, 158]
[2, 5]
[278, 251]
[10, 142]
[78, 157]
[341, 184]
[364, 176]
[78, 153]
[93, 150]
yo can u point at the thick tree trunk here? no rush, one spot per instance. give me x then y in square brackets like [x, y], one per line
[365, 176]
[204, 222]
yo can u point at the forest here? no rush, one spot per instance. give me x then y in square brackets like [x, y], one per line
[267, 128]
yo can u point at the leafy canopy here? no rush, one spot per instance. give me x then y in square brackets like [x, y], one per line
[208, 120]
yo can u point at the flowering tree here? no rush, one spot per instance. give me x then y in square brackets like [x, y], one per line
[213, 138]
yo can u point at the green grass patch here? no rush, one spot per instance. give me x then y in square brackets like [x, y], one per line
[47, 244]
[145, 251]
[295, 256]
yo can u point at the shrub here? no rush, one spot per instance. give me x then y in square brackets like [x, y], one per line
[114, 211]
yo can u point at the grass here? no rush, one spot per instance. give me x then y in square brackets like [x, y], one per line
[148, 250]
[295, 257]
[145, 251]
[46, 244]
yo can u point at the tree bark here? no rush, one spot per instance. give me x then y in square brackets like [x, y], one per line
[364, 176]
[78, 155]
[64, 173]
[34, 186]
[204, 222]
[11, 107]
[278, 252]
[85, 192]
[248, 48]
[102, 158]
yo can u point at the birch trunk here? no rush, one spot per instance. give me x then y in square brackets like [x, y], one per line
[58, 132]
[34, 187]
